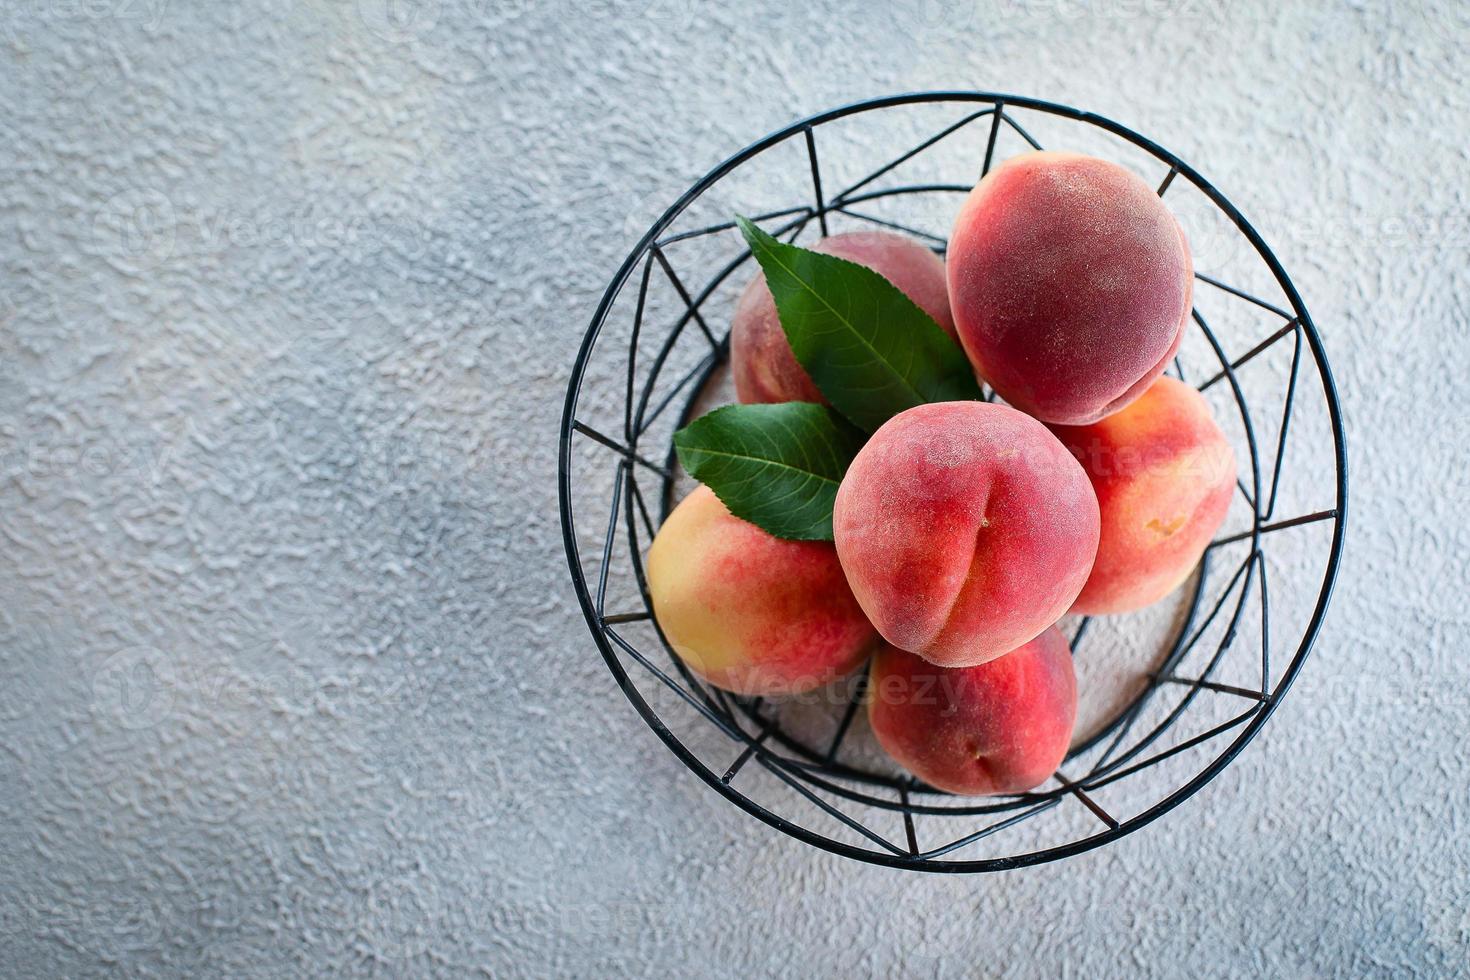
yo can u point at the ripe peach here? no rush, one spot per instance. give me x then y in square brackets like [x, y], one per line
[965, 529]
[1164, 474]
[750, 612]
[1071, 284]
[1001, 727]
[764, 367]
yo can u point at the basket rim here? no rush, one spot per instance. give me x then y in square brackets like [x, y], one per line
[909, 862]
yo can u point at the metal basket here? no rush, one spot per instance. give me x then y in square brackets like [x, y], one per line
[1197, 684]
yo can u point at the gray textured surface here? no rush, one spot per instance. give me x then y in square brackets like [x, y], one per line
[291, 680]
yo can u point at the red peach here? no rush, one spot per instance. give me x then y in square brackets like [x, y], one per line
[1071, 284]
[749, 612]
[761, 359]
[965, 529]
[1164, 474]
[1001, 727]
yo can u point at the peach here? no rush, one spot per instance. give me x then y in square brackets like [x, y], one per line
[1164, 475]
[1001, 727]
[965, 529]
[749, 612]
[761, 359]
[1070, 283]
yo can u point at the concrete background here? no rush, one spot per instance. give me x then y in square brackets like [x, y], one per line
[292, 681]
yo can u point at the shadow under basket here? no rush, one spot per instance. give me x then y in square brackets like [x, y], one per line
[1180, 688]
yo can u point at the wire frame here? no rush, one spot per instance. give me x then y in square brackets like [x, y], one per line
[1193, 713]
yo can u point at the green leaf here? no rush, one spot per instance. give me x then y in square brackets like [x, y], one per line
[870, 349]
[776, 466]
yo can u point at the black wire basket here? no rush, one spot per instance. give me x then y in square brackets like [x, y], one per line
[1170, 695]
